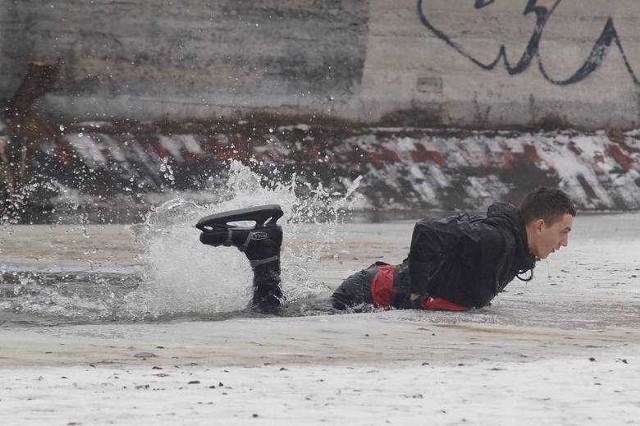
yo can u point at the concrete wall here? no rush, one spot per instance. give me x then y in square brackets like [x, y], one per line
[492, 63]
[483, 64]
[188, 58]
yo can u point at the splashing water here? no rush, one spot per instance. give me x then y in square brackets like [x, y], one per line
[183, 276]
[180, 277]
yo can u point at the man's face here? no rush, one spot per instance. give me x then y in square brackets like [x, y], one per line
[545, 239]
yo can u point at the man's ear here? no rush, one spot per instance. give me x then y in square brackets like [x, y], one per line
[539, 224]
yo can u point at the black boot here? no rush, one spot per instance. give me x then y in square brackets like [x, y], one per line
[260, 242]
[267, 294]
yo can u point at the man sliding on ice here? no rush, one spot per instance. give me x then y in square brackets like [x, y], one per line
[457, 263]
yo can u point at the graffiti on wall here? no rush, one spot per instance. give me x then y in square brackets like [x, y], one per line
[608, 39]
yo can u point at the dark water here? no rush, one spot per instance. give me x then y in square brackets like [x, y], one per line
[35, 298]
[65, 297]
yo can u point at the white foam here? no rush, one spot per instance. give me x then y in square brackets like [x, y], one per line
[181, 275]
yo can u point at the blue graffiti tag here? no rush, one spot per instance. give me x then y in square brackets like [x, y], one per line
[608, 37]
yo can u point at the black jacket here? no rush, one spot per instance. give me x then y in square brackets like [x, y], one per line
[468, 259]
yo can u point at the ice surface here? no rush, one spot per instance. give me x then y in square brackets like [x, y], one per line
[561, 349]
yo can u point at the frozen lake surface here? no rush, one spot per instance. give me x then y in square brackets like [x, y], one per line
[117, 324]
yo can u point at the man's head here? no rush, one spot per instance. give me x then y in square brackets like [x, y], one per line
[548, 216]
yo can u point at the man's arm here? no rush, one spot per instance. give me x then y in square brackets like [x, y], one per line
[426, 254]
[455, 261]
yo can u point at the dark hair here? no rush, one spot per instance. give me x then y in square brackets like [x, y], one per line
[547, 203]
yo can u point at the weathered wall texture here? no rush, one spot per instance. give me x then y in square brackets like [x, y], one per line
[491, 63]
[190, 58]
[481, 63]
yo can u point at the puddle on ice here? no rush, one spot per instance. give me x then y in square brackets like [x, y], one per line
[47, 297]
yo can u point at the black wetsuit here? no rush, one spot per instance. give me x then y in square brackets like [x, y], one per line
[464, 259]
